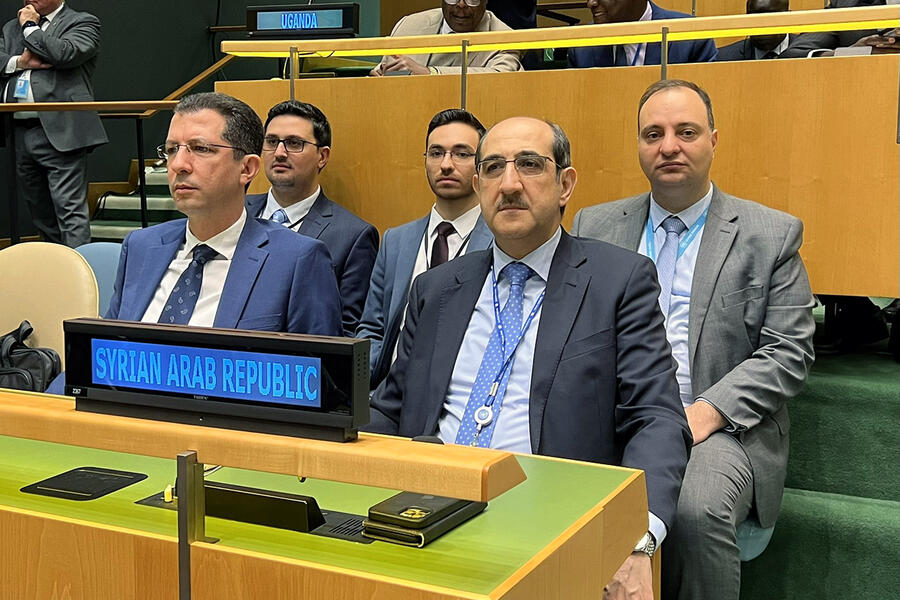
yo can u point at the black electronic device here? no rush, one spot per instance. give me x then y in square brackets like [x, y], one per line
[299, 21]
[417, 519]
[84, 483]
[281, 383]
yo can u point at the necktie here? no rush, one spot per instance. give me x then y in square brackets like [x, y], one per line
[180, 305]
[42, 21]
[440, 252]
[769, 55]
[665, 261]
[511, 320]
[280, 217]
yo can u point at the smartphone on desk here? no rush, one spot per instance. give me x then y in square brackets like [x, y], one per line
[415, 511]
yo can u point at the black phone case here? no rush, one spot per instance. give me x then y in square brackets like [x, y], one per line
[418, 537]
[415, 511]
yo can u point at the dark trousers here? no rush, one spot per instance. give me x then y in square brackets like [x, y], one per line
[54, 186]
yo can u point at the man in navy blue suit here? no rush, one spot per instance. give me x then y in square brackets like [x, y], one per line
[575, 365]
[453, 227]
[219, 267]
[296, 147]
[625, 55]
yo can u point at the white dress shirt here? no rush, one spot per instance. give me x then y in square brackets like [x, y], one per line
[512, 431]
[677, 321]
[635, 53]
[11, 67]
[456, 245]
[214, 274]
[296, 212]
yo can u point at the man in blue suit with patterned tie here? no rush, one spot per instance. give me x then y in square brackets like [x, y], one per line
[634, 55]
[574, 365]
[296, 147]
[220, 267]
[452, 228]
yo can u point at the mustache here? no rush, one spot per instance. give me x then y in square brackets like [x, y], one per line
[511, 201]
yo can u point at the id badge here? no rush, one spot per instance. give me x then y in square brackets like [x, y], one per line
[21, 91]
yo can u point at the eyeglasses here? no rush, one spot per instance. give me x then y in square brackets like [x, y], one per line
[291, 144]
[530, 165]
[457, 156]
[167, 151]
[472, 3]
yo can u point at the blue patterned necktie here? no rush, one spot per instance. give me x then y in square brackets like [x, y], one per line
[280, 217]
[180, 305]
[665, 261]
[511, 320]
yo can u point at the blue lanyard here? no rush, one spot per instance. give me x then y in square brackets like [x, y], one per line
[637, 52]
[685, 241]
[508, 357]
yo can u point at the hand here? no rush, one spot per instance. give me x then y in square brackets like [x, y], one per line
[704, 420]
[28, 13]
[403, 63]
[633, 580]
[30, 60]
[887, 41]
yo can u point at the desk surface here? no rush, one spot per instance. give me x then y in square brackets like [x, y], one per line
[477, 557]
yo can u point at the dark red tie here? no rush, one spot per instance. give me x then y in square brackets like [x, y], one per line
[440, 252]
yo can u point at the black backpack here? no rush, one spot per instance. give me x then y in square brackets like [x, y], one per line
[25, 368]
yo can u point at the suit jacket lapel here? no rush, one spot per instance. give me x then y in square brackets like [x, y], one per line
[255, 205]
[406, 262]
[565, 290]
[318, 217]
[153, 265]
[246, 263]
[58, 21]
[455, 310]
[481, 237]
[718, 236]
[629, 227]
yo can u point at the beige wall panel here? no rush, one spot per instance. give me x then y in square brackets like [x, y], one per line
[815, 138]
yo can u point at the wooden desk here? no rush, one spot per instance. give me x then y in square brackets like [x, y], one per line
[813, 137]
[560, 534]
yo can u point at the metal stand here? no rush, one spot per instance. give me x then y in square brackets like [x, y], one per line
[191, 516]
[142, 177]
[464, 54]
[12, 193]
[664, 62]
[292, 60]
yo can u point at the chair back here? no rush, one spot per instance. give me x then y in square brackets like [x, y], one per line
[104, 260]
[46, 284]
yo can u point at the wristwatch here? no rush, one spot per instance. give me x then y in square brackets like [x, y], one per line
[28, 24]
[647, 545]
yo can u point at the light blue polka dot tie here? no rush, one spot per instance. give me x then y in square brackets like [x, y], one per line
[511, 320]
[180, 305]
[665, 261]
[280, 217]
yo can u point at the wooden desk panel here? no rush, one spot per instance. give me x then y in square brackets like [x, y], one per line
[813, 137]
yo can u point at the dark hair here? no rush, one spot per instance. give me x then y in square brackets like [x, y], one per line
[667, 84]
[561, 149]
[304, 110]
[243, 127]
[454, 115]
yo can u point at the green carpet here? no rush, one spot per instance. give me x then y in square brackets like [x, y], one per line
[845, 428]
[828, 546]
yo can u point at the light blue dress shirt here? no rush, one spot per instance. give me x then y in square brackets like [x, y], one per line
[512, 431]
[677, 321]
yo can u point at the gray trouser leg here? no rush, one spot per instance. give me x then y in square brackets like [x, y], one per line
[700, 559]
[53, 184]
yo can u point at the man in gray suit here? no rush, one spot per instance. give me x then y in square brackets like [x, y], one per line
[454, 226]
[48, 54]
[738, 310]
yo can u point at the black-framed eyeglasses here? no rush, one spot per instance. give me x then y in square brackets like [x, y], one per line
[457, 156]
[291, 144]
[168, 151]
[472, 3]
[529, 165]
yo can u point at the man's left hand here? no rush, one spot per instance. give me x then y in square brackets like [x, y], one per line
[633, 580]
[704, 420]
[404, 63]
[27, 13]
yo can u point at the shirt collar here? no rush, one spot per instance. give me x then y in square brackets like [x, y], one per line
[538, 259]
[463, 224]
[52, 15]
[648, 14]
[445, 28]
[757, 53]
[688, 216]
[295, 211]
[225, 242]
